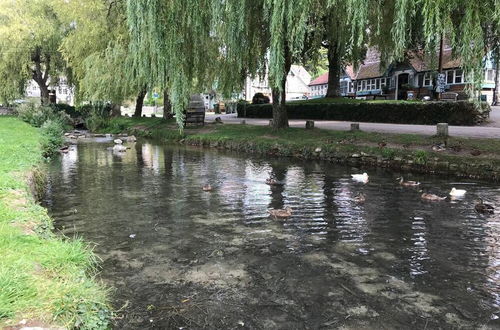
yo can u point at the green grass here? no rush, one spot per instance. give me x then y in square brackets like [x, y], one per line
[157, 127]
[43, 278]
[299, 142]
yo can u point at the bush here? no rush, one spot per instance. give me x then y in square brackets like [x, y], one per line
[260, 98]
[52, 136]
[96, 115]
[36, 115]
[423, 113]
[68, 109]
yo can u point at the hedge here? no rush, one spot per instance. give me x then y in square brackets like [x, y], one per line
[422, 113]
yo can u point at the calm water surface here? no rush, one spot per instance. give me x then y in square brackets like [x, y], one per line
[179, 257]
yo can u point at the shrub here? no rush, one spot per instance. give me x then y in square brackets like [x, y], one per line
[52, 136]
[36, 115]
[96, 115]
[260, 98]
[66, 108]
[424, 113]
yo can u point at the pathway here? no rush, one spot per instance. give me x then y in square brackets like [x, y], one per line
[489, 130]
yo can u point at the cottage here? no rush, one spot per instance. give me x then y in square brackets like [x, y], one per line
[414, 78]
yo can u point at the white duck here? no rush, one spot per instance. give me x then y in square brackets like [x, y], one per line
[360, 177]
[457, 192]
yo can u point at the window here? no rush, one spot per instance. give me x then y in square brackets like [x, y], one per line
[363, 85]
[449, 77]
[378, 84]
[427, 79]
[458, 76]
[489, 75]
[343, 87]
[358, 86]
[382, 82]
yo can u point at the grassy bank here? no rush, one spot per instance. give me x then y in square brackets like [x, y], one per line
[44, 280]
[464, 157]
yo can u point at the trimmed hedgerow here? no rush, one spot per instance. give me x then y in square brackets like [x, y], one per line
[423, 113]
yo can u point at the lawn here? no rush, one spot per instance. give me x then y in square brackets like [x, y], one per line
[167, 129]
[44, 279]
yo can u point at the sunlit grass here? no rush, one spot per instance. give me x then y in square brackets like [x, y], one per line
[42, 276]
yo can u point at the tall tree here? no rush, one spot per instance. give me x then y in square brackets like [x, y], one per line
[97, 51]
[30, 36]
[343, 30]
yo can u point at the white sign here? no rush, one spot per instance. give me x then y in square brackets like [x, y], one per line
[440, 83]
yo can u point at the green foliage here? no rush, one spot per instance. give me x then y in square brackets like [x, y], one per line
[424, 113]
[52, 136]
[388, 153]
[421, 157]
[96, 115]
[36, 115]
[30, 35]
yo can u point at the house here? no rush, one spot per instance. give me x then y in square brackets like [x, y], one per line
[417, 74]
[64, 92]
[297, 85]
[319, 86]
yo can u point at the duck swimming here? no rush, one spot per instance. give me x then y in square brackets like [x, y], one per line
[457, 192]
[431, 197]
[207, 187]
[360, 177]
[483, 207]
[408, 183]
[359, 198]
[281, 213]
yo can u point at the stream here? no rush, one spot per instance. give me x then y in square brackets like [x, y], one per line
[178, 257]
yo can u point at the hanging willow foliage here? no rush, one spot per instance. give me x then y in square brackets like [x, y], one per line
[196, 45]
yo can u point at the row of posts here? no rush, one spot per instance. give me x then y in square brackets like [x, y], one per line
[441, 128]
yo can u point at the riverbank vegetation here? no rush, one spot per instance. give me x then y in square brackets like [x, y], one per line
[465, 157]
[45, 280]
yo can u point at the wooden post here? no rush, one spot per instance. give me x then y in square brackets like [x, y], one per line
[309, 124]
[442, 129]
[243, 122]
[354, 127]
[271, 122]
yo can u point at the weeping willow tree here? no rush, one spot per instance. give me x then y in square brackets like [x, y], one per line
[173, 46]
[406, 24]
[97, 50]
[340, 27]
[30, 36]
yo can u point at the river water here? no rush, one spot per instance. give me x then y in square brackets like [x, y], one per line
[178, 257]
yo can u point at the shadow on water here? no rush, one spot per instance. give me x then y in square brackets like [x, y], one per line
[179, 257]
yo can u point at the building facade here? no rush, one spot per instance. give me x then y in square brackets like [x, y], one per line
[64, 92]
[415, 77]
[297, 85]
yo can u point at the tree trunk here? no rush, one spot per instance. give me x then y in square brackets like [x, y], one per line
[139, 103]
[44, 93]
[334, 68]
[167, 105]
[497, 77]
[280, 116]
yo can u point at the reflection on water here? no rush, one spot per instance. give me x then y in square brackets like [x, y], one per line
[217, 260]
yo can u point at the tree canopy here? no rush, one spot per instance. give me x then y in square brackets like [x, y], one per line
[30, 36]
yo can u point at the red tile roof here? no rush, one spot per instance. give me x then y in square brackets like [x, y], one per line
[321, 80]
